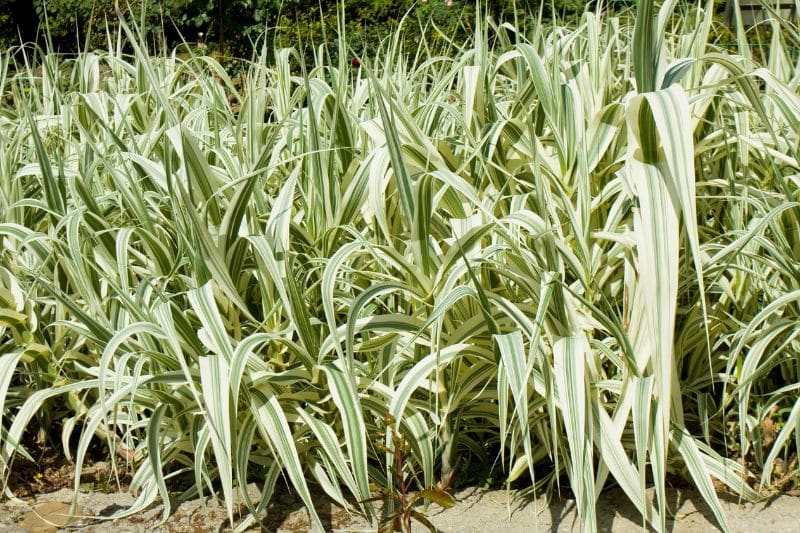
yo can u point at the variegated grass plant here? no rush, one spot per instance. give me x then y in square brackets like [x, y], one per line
[568, 251]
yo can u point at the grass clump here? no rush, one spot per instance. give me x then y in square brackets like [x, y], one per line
[568, 251]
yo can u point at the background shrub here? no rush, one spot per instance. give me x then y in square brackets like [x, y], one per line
[231, 25]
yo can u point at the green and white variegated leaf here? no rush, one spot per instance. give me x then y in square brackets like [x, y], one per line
[274, 428]
[657, 242]
[569, 361]
[215, 380]
[515, 369]
[693, 458]
[346, 398]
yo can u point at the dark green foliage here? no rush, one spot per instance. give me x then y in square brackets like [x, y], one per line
[15, 15]
[73, 23]
[230, 26]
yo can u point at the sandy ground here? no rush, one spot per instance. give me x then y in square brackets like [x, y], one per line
[478, 510]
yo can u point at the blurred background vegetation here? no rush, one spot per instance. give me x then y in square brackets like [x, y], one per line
[230, 27]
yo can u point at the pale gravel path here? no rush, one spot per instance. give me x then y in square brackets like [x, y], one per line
[477, 511]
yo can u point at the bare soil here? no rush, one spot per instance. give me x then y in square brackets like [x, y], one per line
[478, 510]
